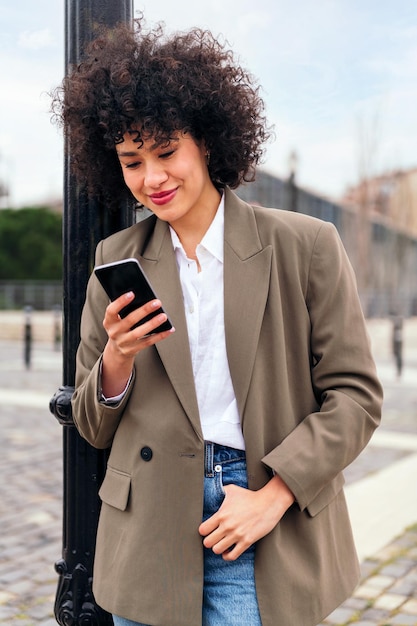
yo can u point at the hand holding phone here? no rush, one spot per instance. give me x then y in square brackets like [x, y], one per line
[119, 277]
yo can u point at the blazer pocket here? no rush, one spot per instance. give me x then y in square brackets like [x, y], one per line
[326, 495]
[115, 488]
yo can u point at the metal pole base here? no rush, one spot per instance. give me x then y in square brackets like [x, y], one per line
[74, 604]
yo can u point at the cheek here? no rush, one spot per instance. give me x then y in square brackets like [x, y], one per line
[132, 181]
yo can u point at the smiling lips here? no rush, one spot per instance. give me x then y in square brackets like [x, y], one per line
[163, 197]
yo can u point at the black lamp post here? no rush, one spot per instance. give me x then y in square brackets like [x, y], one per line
[84, 224]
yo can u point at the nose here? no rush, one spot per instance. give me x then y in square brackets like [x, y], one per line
[155, 174]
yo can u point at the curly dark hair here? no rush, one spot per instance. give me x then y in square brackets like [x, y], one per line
[165, 83]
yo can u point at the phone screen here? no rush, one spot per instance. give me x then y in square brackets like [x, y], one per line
[122, 276]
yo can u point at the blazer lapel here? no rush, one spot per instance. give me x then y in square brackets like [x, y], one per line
[247, 268]
[159, 263]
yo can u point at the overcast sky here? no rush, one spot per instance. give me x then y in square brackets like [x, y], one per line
[326, 67]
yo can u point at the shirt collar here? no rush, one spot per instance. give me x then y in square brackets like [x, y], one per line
[213, 240]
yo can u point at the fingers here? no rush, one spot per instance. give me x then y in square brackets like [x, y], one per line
[114, 308]
[117, 305]
[131, 340]
[244, 517]
[223, 535]
[227, 542]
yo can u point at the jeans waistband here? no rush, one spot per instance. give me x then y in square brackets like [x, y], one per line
[215, 453]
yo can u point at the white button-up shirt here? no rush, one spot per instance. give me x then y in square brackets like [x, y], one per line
[204, 311]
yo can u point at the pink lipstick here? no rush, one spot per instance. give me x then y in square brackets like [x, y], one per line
[163, 197]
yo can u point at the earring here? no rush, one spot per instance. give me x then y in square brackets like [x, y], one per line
[208, 157]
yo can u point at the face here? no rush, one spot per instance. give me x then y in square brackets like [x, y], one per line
[170, 179]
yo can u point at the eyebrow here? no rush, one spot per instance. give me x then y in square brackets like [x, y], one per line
[126, 154]
[133, 153]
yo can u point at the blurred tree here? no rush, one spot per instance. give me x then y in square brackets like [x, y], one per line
[30, 244]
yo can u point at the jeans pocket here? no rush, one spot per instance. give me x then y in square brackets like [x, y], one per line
[235, 474]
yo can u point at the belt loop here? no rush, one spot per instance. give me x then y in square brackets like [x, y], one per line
[208, 460]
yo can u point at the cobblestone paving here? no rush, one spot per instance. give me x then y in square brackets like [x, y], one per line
[30, 491]
[31, 488]
[387, 594]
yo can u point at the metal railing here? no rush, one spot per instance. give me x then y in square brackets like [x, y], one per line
[40, 295]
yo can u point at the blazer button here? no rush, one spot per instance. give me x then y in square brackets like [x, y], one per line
[146, 453]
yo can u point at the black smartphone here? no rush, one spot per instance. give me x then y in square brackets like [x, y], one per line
[127, 275]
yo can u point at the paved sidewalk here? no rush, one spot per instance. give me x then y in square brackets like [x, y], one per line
[31, 488]
[387, 595]
[382, 498]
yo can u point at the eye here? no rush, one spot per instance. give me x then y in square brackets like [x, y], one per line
[166, 155]
[132, 166]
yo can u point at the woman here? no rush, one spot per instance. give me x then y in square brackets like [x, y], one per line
[223, 499]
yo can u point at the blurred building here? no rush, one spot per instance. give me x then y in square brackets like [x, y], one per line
[390, 197]
[377, 222]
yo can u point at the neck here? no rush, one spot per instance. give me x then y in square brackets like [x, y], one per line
[192, 231]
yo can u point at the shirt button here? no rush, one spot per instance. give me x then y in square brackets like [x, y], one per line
[191, 309]
[146, 453]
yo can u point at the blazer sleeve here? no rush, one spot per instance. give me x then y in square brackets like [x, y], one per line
[96, 421]
[343, 377]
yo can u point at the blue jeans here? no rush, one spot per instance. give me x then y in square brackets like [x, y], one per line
[229, 595]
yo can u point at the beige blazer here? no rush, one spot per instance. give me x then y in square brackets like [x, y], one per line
[309, 400]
